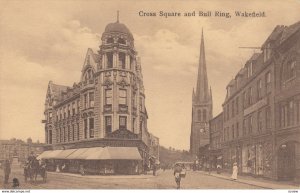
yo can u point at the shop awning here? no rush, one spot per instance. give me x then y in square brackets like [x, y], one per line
[78, 154]
[121, 153]
[94, 153]
[49, 154]
[64, 154]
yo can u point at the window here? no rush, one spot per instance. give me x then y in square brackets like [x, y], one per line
[290, 70]
[110, 40]
[50, 137]
[73, 109]
[131, 62]
[78, 133]
[65, 135]
[69, 111]
[283, 115]
[85, 128]
[121, 41]
[65, 112]
[123, 122]
[232, 131]
[91, 123]
[237, 130]
[249, 69]
[237, 105]
[86, 101]
[134, 99]
[199, 115]
[141, 103]
[133, 125]
[50, 116]
[232, 108]
[268, 118]
[108, 126]
[250, 125]
[108, 96]
[250, 96]
[122, 97]
[122, 63]
[267, 52]
[291, 113]
[259, 89]
[109, 60]
[57, 135]
[73, 133]
[78, 106]
[244, 100]
[69, 133]
[204, 115]
[91, 99]
[60, 114]
[62, 134]
[228, 112]
[259, 122]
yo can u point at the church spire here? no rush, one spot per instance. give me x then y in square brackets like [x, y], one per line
[202, 92]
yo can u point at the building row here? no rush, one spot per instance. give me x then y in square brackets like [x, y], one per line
[259, 127]
[19, 149]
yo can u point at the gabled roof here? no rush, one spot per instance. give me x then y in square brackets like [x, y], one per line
[289, 31]
[57, 89]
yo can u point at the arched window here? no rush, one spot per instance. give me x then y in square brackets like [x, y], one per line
[110, 40]
[121, 41]
[204, 115]
[199, 115]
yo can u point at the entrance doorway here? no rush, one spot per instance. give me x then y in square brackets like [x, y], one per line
[286, 161]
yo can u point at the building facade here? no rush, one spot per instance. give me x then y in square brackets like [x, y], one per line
[261, 111]
[19, 149]
[201, 107]
[216, 141]
[107, 106]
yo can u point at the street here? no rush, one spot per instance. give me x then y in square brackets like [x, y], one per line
[163, 180]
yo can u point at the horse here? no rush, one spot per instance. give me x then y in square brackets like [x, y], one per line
[33, 169]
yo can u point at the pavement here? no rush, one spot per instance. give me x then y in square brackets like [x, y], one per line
[259, 182]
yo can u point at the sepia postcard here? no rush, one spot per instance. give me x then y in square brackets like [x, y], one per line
[149, 94]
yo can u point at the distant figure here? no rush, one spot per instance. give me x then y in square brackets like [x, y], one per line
[234, 171]
[16, 183]
[81, 170]
[177, 172]
[145, 168]
[154, 169]
[219, 168]
[6, 170]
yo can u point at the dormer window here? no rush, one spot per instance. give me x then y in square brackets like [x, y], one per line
[121, 41]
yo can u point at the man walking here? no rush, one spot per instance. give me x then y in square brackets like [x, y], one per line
[177, 171]
[6, 170]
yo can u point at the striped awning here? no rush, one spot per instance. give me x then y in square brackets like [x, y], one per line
[94, 153]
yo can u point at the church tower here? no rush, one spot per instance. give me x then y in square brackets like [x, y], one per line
[201, 106]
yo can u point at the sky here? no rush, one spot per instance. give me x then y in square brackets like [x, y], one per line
[47, 40]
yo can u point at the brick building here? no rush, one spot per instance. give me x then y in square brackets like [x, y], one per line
[261, 119]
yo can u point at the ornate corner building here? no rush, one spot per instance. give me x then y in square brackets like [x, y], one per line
[107, 106]
[201, 107]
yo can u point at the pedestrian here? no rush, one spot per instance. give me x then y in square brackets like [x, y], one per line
[154, 169]
[234, 171]
[177, 172]
[6, 170]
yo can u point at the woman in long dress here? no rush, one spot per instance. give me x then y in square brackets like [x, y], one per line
[234, 171]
